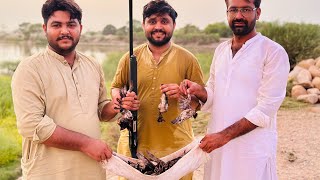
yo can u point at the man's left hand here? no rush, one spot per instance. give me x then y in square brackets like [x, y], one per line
[171, 90]
[212, 141]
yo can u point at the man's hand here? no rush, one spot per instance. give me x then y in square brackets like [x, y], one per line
[171, 90]
[212, 141]
[192, 88]
[131, 101]
[215, 140]
[97, 150]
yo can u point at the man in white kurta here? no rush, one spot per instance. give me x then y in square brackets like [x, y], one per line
[252, 85]
[246, 87]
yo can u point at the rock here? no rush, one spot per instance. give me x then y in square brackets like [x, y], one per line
[316, 82]
[313, 91]
[308, 98]
[318, 62]
[306, 63]
[304, 78]
[298, 90]
[314, 71]
[293, 74]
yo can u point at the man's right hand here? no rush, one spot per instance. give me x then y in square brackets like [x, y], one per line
[192, 88]
[97, 149]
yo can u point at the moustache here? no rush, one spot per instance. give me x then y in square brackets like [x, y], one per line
[239, 20]
[158, 31]
[63, 37]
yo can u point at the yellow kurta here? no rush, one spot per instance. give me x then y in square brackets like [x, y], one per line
[175, 65]
[46, 93]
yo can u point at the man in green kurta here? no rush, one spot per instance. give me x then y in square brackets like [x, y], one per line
[162, 65]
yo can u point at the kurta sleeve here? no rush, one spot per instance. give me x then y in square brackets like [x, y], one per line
[30, 104]
[272, 90]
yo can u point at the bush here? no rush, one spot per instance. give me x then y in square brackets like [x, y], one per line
[8, 67]
[198, 38]
[301, 41]
[221, 28]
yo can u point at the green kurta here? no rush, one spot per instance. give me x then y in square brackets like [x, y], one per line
[175, 65]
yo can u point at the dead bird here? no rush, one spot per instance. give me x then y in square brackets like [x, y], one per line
[187, 111]
[125, 121]
[149, 164]
[163, 106]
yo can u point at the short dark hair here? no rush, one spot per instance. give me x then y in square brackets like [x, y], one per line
[255, 2]
[50, 6]
[159, 7]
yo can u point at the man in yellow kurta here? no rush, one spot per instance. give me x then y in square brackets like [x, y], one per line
[162, 65]
[59, 98]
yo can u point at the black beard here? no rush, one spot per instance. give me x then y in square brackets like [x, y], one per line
[64, 52]
[243, 30]
[159, 43]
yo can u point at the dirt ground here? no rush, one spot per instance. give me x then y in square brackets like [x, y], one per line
[298, 155]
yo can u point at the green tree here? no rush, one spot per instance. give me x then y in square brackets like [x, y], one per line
[24, 29]
[220, 28]
[188, 29]
[109, 29]
[136, 26]
[30, 31]
[122, 31]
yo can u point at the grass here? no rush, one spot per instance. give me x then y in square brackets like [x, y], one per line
[10, 140]
[11, 171]
[291, 103]
[6, 106]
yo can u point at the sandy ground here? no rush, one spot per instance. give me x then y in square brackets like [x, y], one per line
[298, 155]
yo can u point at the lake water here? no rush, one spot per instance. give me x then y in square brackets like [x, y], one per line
[17, 52]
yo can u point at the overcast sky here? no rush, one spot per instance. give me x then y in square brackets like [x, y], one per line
[98, 13]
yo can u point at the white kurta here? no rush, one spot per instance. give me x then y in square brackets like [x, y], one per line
[252, 84]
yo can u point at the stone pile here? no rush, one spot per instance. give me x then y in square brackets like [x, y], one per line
[306, 81]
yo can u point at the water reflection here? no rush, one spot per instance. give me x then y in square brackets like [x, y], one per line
[16, 52]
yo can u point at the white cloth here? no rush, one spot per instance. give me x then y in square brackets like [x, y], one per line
[252, 84]
[188, 163]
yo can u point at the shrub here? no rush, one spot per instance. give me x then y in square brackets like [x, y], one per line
[198, 38]
[301, 41]
[8, 67]
[221, 28]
